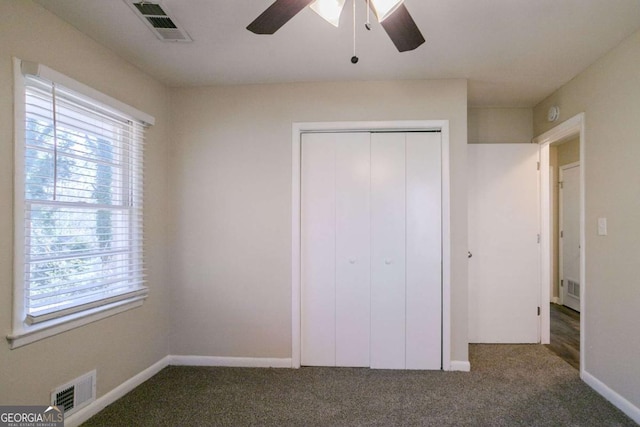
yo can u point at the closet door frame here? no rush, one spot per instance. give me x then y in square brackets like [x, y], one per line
[390, 126]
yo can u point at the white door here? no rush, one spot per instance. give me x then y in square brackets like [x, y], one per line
[335, 266]
[424, 251]
[504, 269]
[371, 250]
[388, 251]
[406, 251]
[570, 235]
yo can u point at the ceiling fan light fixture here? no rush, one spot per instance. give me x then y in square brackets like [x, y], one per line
[329, 10]
[384, 8]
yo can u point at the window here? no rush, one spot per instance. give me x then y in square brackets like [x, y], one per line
[79, 199]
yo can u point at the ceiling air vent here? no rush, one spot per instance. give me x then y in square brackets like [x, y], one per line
[157, 18]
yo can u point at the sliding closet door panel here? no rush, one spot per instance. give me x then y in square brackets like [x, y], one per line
[318, 227]
[388, 250]
[353, 265]
[424, 251]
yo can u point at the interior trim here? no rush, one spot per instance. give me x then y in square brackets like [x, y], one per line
[616, 399]
[574, 126]
[230, 362]
[460, 366]
[107, 399]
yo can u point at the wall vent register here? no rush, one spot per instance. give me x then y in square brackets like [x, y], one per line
[76, 394]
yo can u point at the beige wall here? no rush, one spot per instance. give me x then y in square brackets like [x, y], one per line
[569, 152]
[123, 345]
[231, 181]
[500, 125]
[608, 92]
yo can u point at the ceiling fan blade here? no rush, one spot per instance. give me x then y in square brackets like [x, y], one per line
[402, 29]
[276, 15]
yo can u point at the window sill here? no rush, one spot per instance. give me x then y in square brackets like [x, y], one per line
[28, 335]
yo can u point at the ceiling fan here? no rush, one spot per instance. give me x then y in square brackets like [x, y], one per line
[392, 15]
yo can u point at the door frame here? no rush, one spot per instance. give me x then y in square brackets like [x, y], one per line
[561, 170]
[298, 128]
[575, 126]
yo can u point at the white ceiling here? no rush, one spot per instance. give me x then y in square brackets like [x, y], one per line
[514, 52]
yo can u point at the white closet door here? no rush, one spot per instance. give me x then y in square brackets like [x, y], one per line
[388, 225]
[371, 250]
[353, 275]
[424, 251]
[318, 244]
[335, 255]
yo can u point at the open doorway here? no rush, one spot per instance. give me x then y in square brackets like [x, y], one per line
[562, 238]
[564, 162]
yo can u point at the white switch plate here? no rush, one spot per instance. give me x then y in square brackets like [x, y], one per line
[602, 226]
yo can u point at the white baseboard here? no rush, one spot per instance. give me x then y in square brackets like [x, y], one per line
[102, 402]
[459, 365]
[555, 300]
[99, 404]
[618, 401]
[232, 362]
[237, 362]
[249, 362]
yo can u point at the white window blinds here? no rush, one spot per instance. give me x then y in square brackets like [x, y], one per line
[82, 174]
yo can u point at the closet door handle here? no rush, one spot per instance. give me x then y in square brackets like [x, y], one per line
[388, 261]
[352, 260]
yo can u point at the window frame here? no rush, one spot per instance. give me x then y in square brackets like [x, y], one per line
[23, 332]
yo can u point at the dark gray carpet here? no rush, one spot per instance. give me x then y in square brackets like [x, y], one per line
[510, 385]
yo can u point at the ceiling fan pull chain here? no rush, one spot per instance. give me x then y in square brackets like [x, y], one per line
[368, 24]
[354, 58]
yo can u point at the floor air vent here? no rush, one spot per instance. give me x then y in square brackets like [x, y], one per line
[574, 288]
[157, 18]
[75, 394]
